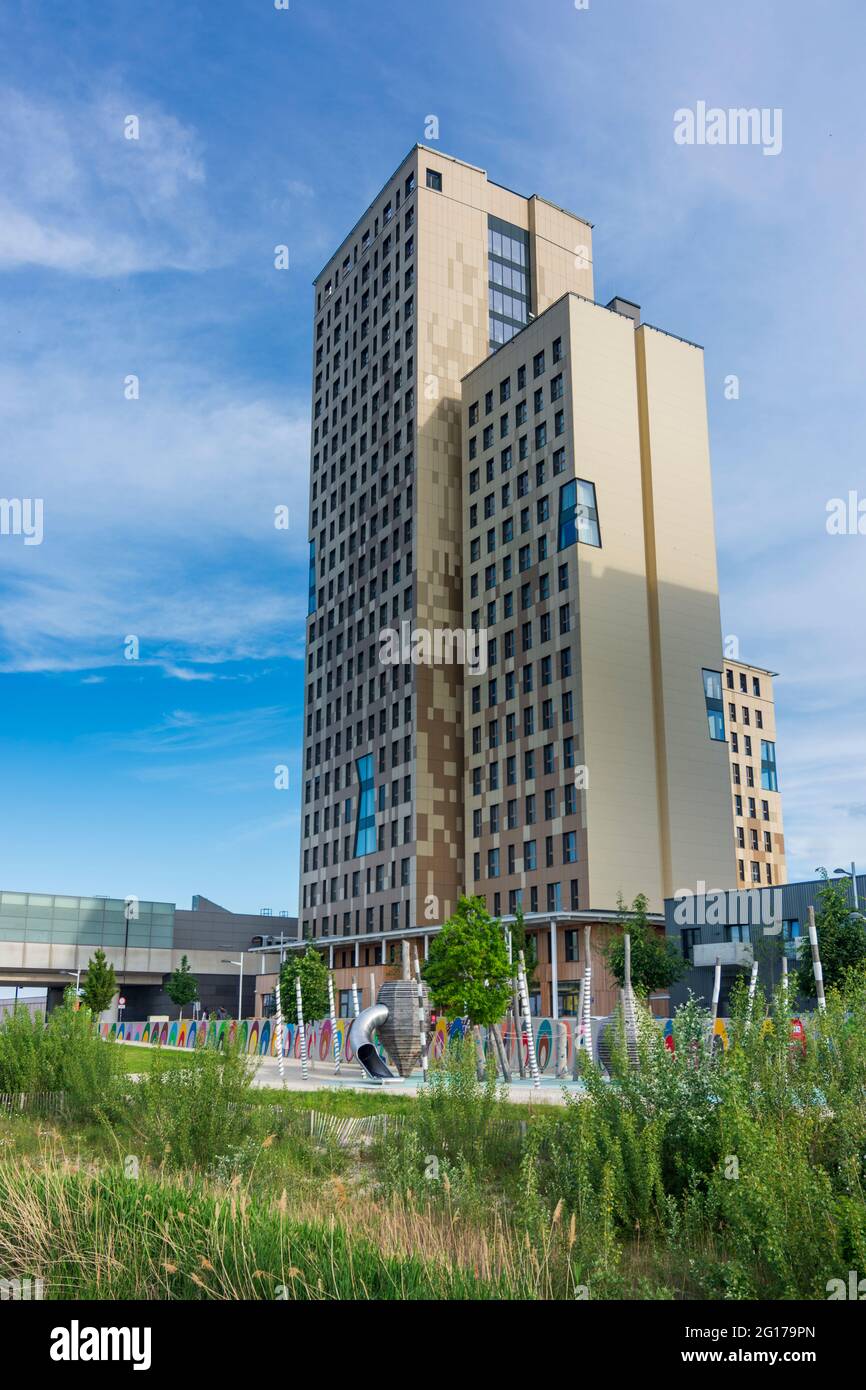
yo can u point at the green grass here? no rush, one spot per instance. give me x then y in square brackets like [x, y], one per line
[137, 1058]
[109, 1237]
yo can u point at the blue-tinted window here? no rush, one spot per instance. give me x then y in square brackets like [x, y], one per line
[312, 603]
[769, 781]
[508, 280]
[715, 709]
[578, 514]
[365, 827]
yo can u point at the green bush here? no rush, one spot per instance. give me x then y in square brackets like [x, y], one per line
[195, 1116]
[63, 1053]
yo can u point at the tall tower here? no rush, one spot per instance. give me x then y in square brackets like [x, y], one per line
[593, 765]
[443, 267]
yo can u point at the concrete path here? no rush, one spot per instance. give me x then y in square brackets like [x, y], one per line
[352, 1078]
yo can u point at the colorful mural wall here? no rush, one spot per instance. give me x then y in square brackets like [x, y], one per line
[259, 1037]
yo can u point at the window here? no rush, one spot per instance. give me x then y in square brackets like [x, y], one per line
[578, 514]
[715, 709]
[769, 781]
[572, 943]
[508, 282]
[365, 828]
[434, 180]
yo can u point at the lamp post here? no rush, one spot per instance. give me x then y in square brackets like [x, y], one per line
[853, 883]
[240, 963]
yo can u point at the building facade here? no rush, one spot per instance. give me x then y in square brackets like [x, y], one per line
[443, 264]
[740, 926]
[47, 939]
[750, 721]
[498, 461]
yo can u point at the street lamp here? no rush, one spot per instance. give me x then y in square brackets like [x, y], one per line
[240, 962]
[853, 883]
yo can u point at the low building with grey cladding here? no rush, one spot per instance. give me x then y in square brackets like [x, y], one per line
[46, 938]
[742, 925]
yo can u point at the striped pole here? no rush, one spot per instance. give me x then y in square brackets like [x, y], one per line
[753, 984]
[422, 1020]
[334, 1030]
[524, 1005]
[816, 962]
[717, 989]
[280, 1033]
[585, 1039]
[586, 1019]
[356, 1007]
[785, 983]
[301, 1029]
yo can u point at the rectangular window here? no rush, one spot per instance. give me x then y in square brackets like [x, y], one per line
[715, 709]
[508, 281]
[769, 781]
[365, 828]
[578, 514]
[434, 180]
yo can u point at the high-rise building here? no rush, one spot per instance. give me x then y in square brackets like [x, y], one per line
[750, 720]
[495, 456]
[442, 266]
[594, 767]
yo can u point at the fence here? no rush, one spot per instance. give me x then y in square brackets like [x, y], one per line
[554, 1038]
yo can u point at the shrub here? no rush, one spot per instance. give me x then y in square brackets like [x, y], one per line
[193, 1116]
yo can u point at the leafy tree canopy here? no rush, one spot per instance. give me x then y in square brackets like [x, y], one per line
[841, 937]
[656, 963]
[181, 985]
[313, 973]
[467, 969]
[98, 983]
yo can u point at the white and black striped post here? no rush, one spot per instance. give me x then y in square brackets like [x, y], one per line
[524, 1006]
[817, 971]
[586, 1016]
[356, 1007]
[753, 984]
[422, 1020]
[335, 1034]
[717, 989]
[281, 1064]
[301, 1029]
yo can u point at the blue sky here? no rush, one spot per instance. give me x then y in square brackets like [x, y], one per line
[154, 258]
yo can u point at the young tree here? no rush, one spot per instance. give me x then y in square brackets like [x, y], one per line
[98, 983]
[313, 974]
[467, 968]
[655, 961]
[841, 937]
[182, 986]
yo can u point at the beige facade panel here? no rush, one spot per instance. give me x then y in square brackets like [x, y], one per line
[694, 801]
[616, 671]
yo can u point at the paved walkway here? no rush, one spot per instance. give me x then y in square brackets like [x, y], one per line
[321, 1077]
[351, 1078]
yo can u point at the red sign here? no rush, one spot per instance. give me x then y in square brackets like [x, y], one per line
[121, 1003]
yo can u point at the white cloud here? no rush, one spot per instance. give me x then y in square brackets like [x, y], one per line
[78, 196]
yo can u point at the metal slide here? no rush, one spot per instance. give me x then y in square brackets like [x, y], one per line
[361, 1042]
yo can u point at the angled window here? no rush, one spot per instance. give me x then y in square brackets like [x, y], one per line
[715, 709]
[578, 514]
[365, 827]
[769, 781]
